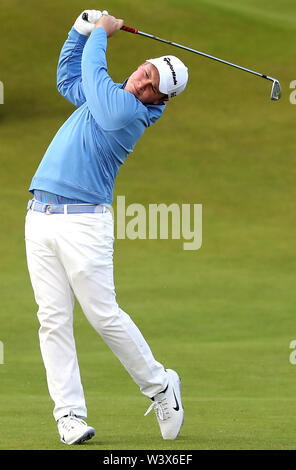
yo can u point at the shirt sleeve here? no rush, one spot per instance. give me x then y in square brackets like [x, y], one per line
[112, 107]
[69, 81]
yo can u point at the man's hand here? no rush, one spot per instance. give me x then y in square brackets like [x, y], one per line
[86, 21]
[110, 24]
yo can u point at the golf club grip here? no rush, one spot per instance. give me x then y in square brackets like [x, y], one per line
[124, 28]
[129, 30]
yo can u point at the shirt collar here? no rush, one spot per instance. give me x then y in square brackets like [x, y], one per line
[124, 83]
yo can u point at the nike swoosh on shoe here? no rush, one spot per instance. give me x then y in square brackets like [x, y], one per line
[176, 408]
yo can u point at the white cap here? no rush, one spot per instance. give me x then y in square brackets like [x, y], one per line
[173, 74]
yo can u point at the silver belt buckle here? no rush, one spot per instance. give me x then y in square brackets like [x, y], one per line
[47, 210]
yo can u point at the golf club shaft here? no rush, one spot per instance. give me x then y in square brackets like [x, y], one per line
[151, 36]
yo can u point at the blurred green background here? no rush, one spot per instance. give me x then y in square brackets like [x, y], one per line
[222, 316]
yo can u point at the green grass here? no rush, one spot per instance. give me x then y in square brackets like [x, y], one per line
[223, 316]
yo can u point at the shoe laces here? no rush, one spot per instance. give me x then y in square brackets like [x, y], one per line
[160, 408]
[68, 422]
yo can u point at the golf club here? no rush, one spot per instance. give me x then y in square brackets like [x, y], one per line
[276, 87]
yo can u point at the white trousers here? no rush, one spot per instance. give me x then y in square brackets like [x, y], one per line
[71, 255]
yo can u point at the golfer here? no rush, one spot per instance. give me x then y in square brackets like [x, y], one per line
[69, 226]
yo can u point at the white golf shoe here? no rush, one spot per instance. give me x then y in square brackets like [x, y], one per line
[168, 407]
[73, 430]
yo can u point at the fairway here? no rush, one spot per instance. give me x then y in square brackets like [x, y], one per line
[223, 316]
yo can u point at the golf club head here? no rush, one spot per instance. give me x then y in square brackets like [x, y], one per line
[276, 90]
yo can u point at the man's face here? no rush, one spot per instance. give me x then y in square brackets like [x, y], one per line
[144, 83]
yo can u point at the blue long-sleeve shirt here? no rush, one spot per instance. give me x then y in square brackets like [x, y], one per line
[83, 159]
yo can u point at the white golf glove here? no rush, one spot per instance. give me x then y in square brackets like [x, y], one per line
[86, 21]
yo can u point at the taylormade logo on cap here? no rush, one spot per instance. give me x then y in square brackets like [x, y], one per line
[173, 74]
[168, 61]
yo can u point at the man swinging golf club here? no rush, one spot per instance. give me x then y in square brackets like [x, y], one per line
[69, 226]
